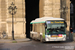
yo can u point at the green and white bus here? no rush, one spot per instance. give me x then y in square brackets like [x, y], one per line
[48, 29]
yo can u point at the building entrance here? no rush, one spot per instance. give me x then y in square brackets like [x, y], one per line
[32, 12]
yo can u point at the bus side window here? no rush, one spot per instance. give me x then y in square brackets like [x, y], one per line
[33, 27]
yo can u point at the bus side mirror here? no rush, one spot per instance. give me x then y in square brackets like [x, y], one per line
[65, 24]
[45, 26]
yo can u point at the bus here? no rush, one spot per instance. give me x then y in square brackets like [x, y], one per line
[48, 29]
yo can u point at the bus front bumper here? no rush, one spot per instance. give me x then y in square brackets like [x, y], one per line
[55, 39]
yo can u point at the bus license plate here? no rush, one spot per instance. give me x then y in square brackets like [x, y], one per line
[54, 36]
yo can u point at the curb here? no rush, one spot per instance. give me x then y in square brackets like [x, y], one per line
[22, 41]
[6, 42]
[14, 41]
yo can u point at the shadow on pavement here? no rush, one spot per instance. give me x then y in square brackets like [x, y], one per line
[67, 41]
[1, 47]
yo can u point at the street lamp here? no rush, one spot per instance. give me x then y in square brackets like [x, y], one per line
[12, 10]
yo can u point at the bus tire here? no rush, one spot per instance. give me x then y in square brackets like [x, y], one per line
[41, 39]
[32, 36]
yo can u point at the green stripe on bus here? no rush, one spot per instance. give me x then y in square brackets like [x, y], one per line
[37, 22]
[43, 35]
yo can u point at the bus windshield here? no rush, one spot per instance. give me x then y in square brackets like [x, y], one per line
[55, 28]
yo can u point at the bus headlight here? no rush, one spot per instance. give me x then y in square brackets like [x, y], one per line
[64, 38]
[47, 38]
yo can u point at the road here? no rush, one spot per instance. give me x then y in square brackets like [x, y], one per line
[37, 45]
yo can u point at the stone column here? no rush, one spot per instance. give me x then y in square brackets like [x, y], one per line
[0, 17]
[41, 4]
[68, 15]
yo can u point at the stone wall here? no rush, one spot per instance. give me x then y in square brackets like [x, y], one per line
[49, 8]
[19, 27]
[52, 8]
[19, 18]
[3, 16]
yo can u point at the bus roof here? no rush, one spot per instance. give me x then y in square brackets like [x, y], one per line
[43, 19]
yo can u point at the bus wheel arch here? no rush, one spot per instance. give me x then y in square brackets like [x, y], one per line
[32, 36]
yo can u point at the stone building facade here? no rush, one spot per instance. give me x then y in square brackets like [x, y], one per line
[56, 8]
[47, 8]
[6, 19]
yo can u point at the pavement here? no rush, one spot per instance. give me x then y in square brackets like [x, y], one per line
[21, 40]
[14, 41]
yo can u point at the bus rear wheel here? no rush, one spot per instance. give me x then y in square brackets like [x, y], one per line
[33, 36]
